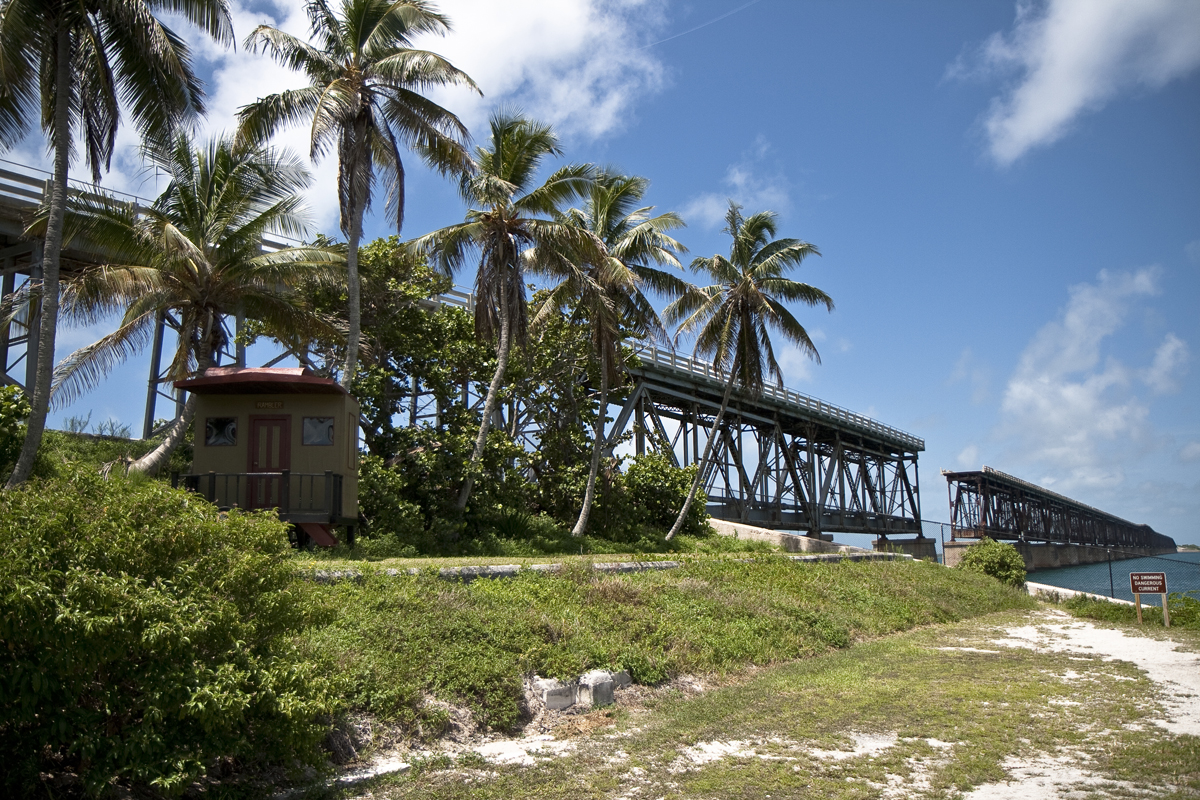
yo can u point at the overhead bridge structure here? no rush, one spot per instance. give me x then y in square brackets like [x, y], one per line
[991, 503]
[781, 459]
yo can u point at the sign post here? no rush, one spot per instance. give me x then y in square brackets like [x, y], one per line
[1149, 583]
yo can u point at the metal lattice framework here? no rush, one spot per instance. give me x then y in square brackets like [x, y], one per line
[781, 459]
[991, 503]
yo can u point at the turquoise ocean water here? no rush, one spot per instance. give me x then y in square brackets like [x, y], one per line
[1182, 569]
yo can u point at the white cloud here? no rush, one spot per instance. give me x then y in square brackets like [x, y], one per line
[750, 182]
[1064, 405]
[1190, 452]
[796, 366]
[1169, 364]
[573, 63]
[969, 457]
[1073, 57]
[1193, 251]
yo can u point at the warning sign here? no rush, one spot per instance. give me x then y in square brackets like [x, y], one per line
[1148, 582]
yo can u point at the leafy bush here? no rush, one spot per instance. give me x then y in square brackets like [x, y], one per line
[393, 525]
[14, 410]
[145, 635]
[653, 491]
[1001, 561]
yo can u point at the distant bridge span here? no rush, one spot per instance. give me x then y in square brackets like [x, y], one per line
[991, 503]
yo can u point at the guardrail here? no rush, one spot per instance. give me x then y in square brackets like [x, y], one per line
[811, 405]
[28, 186]
[705, 369]
[299, 496]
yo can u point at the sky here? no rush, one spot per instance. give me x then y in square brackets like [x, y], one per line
[1006, 197]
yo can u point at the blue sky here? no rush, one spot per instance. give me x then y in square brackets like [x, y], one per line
[1006, 196]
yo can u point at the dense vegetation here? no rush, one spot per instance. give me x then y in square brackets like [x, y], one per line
[144, 636]
[1000, 561]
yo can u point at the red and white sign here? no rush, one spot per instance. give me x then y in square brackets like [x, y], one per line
[1148, 582]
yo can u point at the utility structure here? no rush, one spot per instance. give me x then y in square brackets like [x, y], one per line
[991, 503]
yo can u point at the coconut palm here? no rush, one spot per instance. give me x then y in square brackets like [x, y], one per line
[72, 64]
[510, 221]
[197, 253]
[364, 96]
[608, 294]
[732, 318]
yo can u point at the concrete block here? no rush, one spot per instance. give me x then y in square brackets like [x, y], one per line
[596, 689]
[622, 679]
[555, 694]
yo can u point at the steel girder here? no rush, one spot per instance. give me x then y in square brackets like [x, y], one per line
[771, 466]
[990, 503]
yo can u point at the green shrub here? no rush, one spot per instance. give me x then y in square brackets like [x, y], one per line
[1001, 561]
[144, 635]
[393, 526]
[14, 410]
[655, 490]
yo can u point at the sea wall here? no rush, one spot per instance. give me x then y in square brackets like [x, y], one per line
[1052, 556]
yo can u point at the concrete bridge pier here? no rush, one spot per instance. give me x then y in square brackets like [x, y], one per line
[919, 548]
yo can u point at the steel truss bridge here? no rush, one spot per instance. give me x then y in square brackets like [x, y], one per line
[781, 459]
[22, 190]
[991, 503]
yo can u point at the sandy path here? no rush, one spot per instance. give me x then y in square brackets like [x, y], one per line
[1175, 673]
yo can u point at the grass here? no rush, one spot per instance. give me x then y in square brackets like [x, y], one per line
[958, 715]
[1183, 608]
[393, 642]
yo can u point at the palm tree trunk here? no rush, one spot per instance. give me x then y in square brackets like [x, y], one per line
[589, 494]
[708, 448]
[51, 252]
[489, 405]
[152, 462]
[353, 298]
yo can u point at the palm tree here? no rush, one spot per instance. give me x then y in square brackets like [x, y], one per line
[731, 317]
[364, 95]
[608, 293]
[509, 222]
[196, 252]
[72, 63]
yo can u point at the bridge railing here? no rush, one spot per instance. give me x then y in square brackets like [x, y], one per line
[811, 405]
[29, 186]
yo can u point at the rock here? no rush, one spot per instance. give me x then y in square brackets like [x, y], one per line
[621, 680]
[596, 689]
[554, 694]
